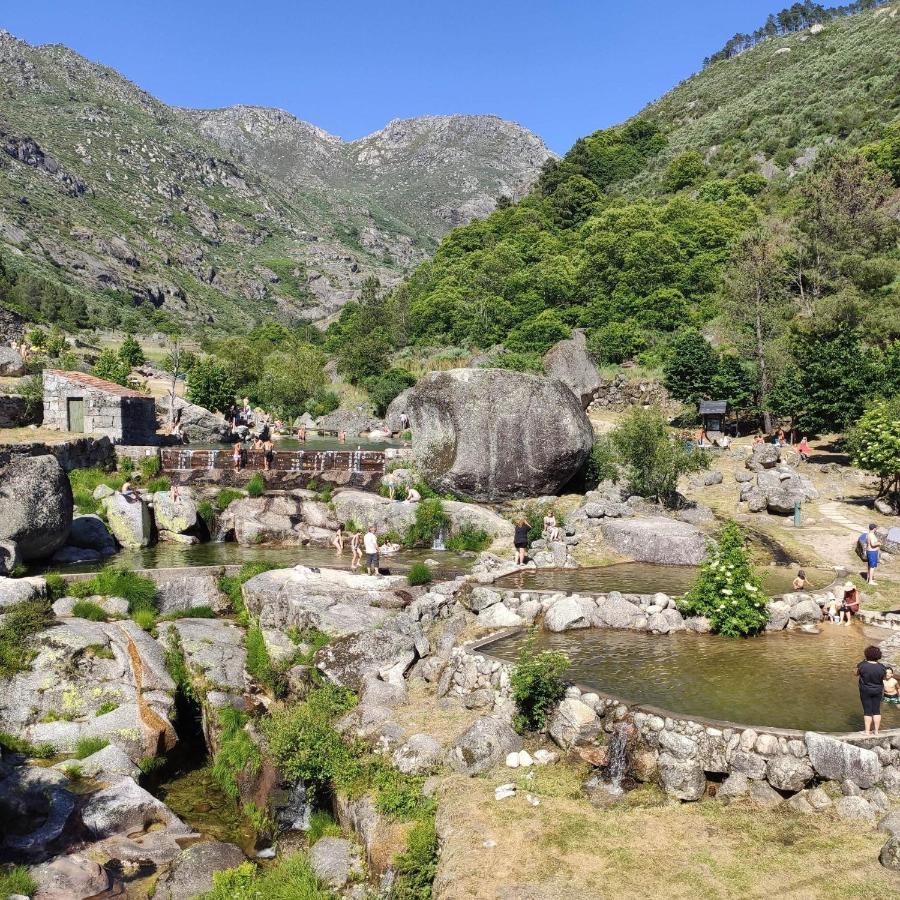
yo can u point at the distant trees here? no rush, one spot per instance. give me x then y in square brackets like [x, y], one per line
[210, 385]
[290, 379]
[875, 444]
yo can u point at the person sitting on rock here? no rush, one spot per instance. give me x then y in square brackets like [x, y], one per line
[412, 495]
[804, 450]
[551, 529]
[850, 605]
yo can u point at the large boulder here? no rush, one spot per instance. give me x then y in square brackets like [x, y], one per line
[192, 873]
[481, 746]
[487, 434]
[783, 488]
[198, 425]
[840, 761]
[764, 456]
[335, 861]
[681, 778]
[36, 500]
[11, 363]
[570, 362]
[9, 557]
[123, 808]
[129, 520]
[276, 519]
[181, 592]
[348, 661]
[175, 515]
[656, 540]
[574, 723]
[90, 532]
[213, 651]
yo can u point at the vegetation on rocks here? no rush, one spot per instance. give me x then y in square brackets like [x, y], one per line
[238, 756]
[727, 591]
[256, 486]
[87, 609]
[87, 746]
[21, 622]
[85, 481]
[259, 663]
[13, 744]
[419, 573]
[431, 520]
[416, 866]
[537, 684]
[138, 590]
[16, 880]
[467, 538]
[231, 585]
[290, 878]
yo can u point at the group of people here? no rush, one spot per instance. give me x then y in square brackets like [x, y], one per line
[365, 543]
[877, 684]
[260, 443]
[803, 448]
[522, 529]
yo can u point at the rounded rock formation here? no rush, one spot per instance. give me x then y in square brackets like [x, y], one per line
[36, 504]
[488, 434]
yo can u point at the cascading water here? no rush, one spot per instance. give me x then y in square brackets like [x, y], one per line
[438, 542]
[617, 759]
[294, 815]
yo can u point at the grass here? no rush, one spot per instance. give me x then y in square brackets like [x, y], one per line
[227, 496]
[87, 609]
[310, 638]
[138, 590]
[56, 586]
[468, 538]
[85, 481]
[149, 764]
[193, 612]
[231, 585]
[13, 744]
[238, 756]
[87, 746]
[256, 486]
[288, 879]
[419, 574]
[106, 707]
[21, 622]
[416, 866]
[16, 880]
[259, 664]
[322, 824]
[100, 651]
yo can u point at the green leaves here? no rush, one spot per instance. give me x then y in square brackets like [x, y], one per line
[874, 443]
[210, 385]
[537, 684]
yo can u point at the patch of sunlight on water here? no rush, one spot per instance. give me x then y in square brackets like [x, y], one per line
[787, 679]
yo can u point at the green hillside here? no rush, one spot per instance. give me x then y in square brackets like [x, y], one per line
[755, 205]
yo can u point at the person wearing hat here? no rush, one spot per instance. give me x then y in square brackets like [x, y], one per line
[873, 549]
[850, 606]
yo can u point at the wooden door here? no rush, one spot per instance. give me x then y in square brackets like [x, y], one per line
[75, 409]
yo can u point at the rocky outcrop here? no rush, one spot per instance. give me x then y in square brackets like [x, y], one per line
[481, 746]
[198, 425]
[763, 456]
[275, 519]
[192, 873]
[777, 490]
[569, 362]
[37, 505]
[176, 515]
[129, 520]
[90, 532]
[656, 540]
[335, 861]
[486, 434]
[213, 651]
[11, 363]
[840, 761]
[385, 653]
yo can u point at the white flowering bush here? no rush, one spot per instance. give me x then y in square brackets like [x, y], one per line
[727, 590]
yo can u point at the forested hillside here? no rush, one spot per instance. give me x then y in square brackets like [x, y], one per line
[754, 206]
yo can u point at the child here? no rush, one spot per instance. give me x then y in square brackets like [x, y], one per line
[891, 688]
[834, 610]
[355, 551]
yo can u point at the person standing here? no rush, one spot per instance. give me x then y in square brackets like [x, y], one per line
[355, 550]
[871, 674]
[338, 540]
[370, 543]
[520, 539]
[873, 550]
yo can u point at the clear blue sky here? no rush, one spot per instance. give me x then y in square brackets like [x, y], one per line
[562, 69]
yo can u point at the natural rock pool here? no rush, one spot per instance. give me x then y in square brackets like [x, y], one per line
[786, 679]
[645, 578]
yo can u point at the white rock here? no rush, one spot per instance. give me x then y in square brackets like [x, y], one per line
[545, 757]
[525, 760]
[512, 760]
[504, 791]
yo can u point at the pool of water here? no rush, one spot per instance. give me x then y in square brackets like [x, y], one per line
[786, 679]
[644, 578]
[316, 443]
[174, 556]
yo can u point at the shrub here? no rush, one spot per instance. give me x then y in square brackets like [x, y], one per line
[150, 764]
[21, 622]
[727, 590]
[537, 684]
[238, 755]
[17, 880]
[602, 464]
[87, 609]
[56, 585]
[144, 618]
[385, 387]
[256, 486]
[416, 866]
[130, 352]
[207, 512]
[259, 664]
[210, 385]
[192, 612]
[617, 341]
[150, 467]
[13, 744]
[322, 824]
[418, 574]
[874, 444]
[431, 519]
[469, 538]
[227, 496]
[291, 878]
[106, 707]
[87, 746]
[110, 367]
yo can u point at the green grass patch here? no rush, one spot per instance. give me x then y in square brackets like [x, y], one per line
[56, 586]
[207, 511]
[231, 585]
[106, 707]
[194, 612]
[138, 590]
[87, 746]
[469, 539]
[150, 764]
[85, 481]
[322, 824]
[13, 744]
[16, 880]
[87, 609]
[176, 665]
[238, 756]
[289, 879]
[256, 486]
[227, 496]
[431, 519]
[21, 622]
[419, 574]
[309, 640]
[259, 664]
[100, 651]
[416, 866]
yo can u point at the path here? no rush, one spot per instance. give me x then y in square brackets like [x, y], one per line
[832, 510]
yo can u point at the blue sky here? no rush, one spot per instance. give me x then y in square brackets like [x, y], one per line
[563, 69]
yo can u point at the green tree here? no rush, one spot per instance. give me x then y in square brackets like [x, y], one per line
[885, 153]
[210, 385]
[538, 334]
[653, 458]
[384, 388]
[131, 352]
[290, 379]
[112, 368]
[691, 366]
[537, 684]
[686, 169]
[727, 591]
[617, 341]
[875, 444]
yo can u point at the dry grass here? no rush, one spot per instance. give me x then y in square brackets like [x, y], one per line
[29, 435]
[424, 713]
[642, 846]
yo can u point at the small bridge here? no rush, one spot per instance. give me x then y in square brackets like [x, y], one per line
[287, 468]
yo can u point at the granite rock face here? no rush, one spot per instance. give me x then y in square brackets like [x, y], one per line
[569, 362]
[656, 540]
[129, 520]
[488, 434]
[482, 746]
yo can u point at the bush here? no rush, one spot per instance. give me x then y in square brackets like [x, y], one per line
[653, 458]
[256, 486]
[56, 586]
[290, 878]
[210, 385]
[87, 746]
[468, 538]
[385, 387]
[259, 664]
[322, 403]
[617, 341]
[227, 496]
[537, 684]
[238, 756]
[431, 519]
[131, 352]
[87, 609]
[416, 866]
[144, 618]
[874, 444]
[112, 368]
[150, 467]
[21, 622]
[17, 880]
[603, 463]
[13, 744]
[418, 574]
[727, 590]
[207, 512]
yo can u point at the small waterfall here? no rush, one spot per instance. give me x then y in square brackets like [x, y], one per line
[438, 542]
[212, 459]
[184, 459]
[294, 816]
[617, 760]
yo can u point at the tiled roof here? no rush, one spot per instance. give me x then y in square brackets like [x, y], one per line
[98, 384]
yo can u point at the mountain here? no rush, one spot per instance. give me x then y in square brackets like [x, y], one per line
[225, 217]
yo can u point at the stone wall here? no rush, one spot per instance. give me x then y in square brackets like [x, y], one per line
[619, 393]
[79, 453]
[14, 412]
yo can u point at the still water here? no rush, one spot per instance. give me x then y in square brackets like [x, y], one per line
[314, 443]
[787, 679]
[645, 578]
[174, 556]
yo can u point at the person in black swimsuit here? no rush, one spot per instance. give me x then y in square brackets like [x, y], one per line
[520, 539]
[871, 688]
